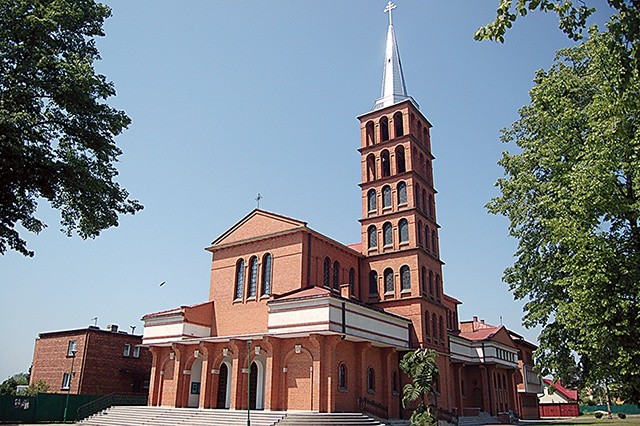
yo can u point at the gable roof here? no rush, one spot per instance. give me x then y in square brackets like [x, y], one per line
[257, 223]
[568, 394]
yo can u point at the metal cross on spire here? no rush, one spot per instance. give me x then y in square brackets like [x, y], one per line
[258, 198]
[388, 8]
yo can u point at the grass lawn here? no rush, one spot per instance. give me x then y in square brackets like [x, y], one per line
[631, 420]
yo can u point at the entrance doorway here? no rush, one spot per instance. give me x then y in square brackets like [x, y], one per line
[224, 387]
[256, 385]
[194, 383]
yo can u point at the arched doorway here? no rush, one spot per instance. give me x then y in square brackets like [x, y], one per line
[224, 387]
[256, 384]
[194, 383]
[299, 382]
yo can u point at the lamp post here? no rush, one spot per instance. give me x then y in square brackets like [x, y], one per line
[249, 383]
[66, 404]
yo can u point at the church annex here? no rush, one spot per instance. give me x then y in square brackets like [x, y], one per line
[298, 321]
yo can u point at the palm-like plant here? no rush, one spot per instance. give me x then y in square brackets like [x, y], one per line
[421, 366]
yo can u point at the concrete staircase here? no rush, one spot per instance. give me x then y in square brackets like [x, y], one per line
[161, 416]
[481, 419]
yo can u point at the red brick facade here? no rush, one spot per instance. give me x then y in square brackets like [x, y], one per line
[100, 365]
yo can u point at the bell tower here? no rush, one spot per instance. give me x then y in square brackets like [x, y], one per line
[403, 272]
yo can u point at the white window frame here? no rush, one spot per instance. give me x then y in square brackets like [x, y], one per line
[66, 381]
[136, 351]
[72, 347]
[127, 350]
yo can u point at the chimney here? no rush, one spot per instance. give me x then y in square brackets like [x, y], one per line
[113, 328]
[482, 321]
[475, 318]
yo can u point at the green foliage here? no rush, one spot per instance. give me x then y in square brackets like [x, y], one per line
[421, 366]
[10, 385]
[39, 386]
[571, 193]
[56, 133]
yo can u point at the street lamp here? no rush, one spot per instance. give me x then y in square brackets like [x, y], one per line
[66, 404]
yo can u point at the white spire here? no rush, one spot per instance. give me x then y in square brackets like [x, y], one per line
[393, 87]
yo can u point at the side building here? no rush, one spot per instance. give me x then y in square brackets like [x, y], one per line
[104, 361]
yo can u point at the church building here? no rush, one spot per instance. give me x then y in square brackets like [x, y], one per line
[298, 321]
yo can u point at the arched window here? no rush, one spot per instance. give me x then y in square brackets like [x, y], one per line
[394, 382]
[386, 165]
[371, 380]
[402, 193]
[419, 229]
[388, 280]
[403, 226]
[441, 328]
[342, 377]
[423, 282]
[423, 201]
[401, 167]
[369, 133]
[372, 237]
[266, 275]
[429, 174]
[253, 277]
[239, 279]
[426, 324]
[398, 124]
[437, 285]
[371, 168]
[352, 280]
[384, 129]
[434, 326]
[371, 200]
[327, 272]
[386, 196]
[387, 234]
[405, 276]
[373, 282]
[416, 195]
[431, 283]
[336, 275]
[433, 241]
[431, 206]
[426, 237]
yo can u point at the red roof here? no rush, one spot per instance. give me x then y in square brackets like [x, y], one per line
[305, 292]
[571, 395]
[482, 334]
[355, 246]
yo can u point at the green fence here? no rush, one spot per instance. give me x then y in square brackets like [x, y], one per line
[623, 408]
[45, 407]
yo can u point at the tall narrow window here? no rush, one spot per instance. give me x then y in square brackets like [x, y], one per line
[426, 237]
[373, 283]
[416, 196]
[266, 275]
[419, 232]
[434, 326]
[327, 272]
[431, 206]
[405, 276]
[431, 283]
[342, 377]
[384, 129]
[426, 324]
[386, 165]
[423, 282]
[71, 347]
[253, 277]
[423, 201]
[402, 193]
[401, 166]
[336, 275]
[372, 237]
[371, 168]
[239, 279]
[369, 133]
[388, 280]
[371, 200]
[433, 242]
[386, 196]
[66, 381]
[441, 328]
[352, 280]
[403, 226]
[371, 380]
[437, 286]
[126, 351]
[398, 124]
[387, 234]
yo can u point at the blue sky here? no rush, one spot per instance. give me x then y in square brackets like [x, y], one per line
[229, 99]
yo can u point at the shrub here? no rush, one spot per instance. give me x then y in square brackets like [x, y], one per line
[598, 415]
[622, 415]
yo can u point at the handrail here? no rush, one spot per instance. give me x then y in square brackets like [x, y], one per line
[374, 408]
[107, 401]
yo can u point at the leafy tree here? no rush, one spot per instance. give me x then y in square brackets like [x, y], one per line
[56, 131]
[40, 386]
[571, 193]
[10, 385]
[421, 366]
